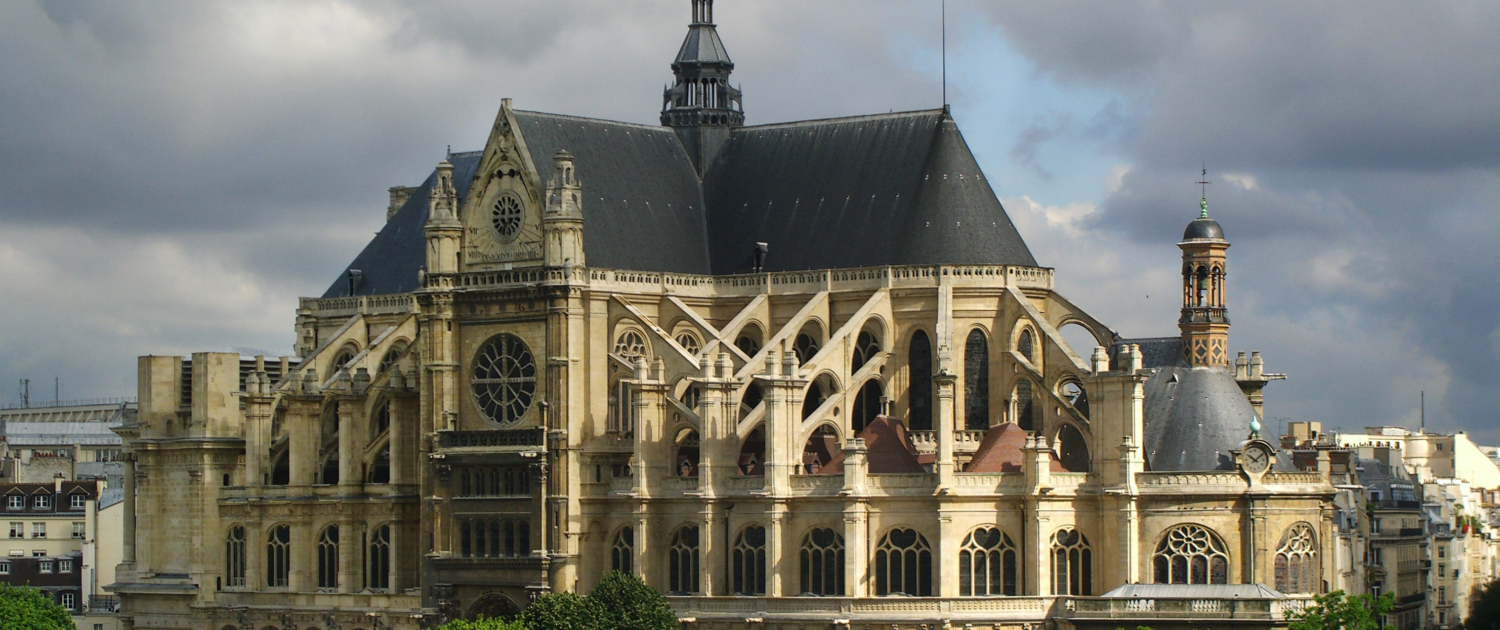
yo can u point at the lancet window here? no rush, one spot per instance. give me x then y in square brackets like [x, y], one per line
[987, 564]
[1072, 564]
[234, 556]
[379, 572]
[977, 381]
[822, 560]
[622, 551]
[682, 560]
[903, 564]
[749, 561]
[919, 359]
[278, 556]
[328, 557]
[1297, 561]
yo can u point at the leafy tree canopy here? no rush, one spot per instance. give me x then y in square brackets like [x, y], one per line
[25, 608]
[562, 611]
[1484, 611]
[1338, 611]
[482, 623]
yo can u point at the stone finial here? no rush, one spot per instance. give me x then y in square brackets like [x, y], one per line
[1135, 358]
[770, 362]
[639, 364]
[1100, 360]
[788, 361]
[659, 370]
[310, 381]
[361, 379]
[1257, 365]
[726, 365]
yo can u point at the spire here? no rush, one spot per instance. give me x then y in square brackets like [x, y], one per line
[1203, 200]
[700, 104]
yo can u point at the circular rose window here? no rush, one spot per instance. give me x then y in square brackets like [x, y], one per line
[505, 215]
[504, 380]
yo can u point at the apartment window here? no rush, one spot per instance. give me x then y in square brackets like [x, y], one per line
[17, 530]
[78, 530]
[45, 566]
[4, 567]
[38, 553]
[67, 600]
[1442, 568]
[15, 502]
[42, 502]
[1442, 596]
[64, 566]
[76, 502]
[1442, 551]
[38, 530]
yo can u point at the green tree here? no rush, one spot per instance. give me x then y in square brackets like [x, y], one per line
[1484, 611]
[23, 608]
[561, 611]
[482, 623]
[627, 603]
[1337, 611]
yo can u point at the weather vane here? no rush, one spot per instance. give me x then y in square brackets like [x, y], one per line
[1203, 202]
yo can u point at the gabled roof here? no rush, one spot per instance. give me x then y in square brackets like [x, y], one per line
[891, 189]
[888, 450]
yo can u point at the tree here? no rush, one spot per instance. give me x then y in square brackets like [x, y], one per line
[1484, 612]
[627, 603]
[23, 608]
[493, 623]
[561, 611]
[1337, 611]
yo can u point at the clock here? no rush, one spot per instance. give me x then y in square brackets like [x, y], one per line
[1255, 459]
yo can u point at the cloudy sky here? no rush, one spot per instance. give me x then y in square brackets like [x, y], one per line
[174, 175]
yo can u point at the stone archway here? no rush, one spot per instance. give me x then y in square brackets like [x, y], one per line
[493, 606]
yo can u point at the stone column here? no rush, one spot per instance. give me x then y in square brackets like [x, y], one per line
[350, 542]
[945, 384]
[947, 548]
[856, 549]
[775, 546]
[127, 546]
[351, 465]
[711, 552]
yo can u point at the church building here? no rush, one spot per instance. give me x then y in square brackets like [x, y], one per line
[796, 375]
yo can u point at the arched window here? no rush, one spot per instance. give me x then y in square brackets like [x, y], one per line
[748, 340]
[1025, 406]
[281, 469]
[380, 422]
[806, 345]
[866, 346]
[1073, 449]
[278, 556]
[1297, 561]
[379, 571]
[234, 556]
[343, 358]
[823, 563]
[1024, 345]
[866, 405]
[391, 357]
[1073, 392]
[987, 564]
[504, 379]
[817, 394]
[629, 345]
[977, 381]
[903, 564]
[689, 342]
[919, 357]
[682, 561]
[1072, 564]
[622, 551]
[328, 557]
[749, 561]
[1191, 554]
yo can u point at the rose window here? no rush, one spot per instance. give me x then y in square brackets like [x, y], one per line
[504, 380]
[506, 216]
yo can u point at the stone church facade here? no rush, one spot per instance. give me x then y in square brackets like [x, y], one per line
[797, 374]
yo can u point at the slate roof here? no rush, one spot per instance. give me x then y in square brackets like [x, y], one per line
[702, 45]
[1000, 451]
[1195, 591]
[1194, 418]
[891, 189]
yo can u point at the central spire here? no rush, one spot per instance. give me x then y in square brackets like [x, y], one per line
[700, 104]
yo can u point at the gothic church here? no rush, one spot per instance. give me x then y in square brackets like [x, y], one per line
[798, 375]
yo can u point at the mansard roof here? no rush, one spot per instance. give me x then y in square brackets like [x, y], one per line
[891, 189]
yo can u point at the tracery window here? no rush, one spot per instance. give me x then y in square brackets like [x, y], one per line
[987, 564]
[1024, 345]
[749, 561]
[919, 358]
[866, 346]
[278, 556]
[629, 345]
[823, 563]
[1297, 561]
[379, 572]
[1072, 564]
[682, 560]
[1191, 554]
[234, 556]
[391, 357]
[977, 381]
[622, 407]
[747, 345]
[867, 405]
[504, 382]
[328, 557]
[622, 551]
[806, 347]
[689, 342]
[903, 564]
[505, 216]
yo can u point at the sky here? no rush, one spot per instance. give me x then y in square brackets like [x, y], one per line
[174, 175]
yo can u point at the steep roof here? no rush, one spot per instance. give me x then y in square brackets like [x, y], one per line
[891, 189]
[1194, 418]
[888, 450]
[702, 45]
[1000, 451]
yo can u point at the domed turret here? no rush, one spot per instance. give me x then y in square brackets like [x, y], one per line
[1205, 312]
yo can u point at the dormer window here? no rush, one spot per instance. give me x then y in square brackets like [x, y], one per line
[77, 501]
[42, 501]
[15, 502]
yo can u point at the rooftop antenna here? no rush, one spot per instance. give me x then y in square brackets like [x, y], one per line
[945, 54]
[1203, 202]
[1424, 411]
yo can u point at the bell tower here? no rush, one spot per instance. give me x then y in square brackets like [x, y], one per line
[1205, 316]
[700, 105]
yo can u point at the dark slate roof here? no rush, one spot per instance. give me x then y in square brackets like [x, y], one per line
[1201, 229]
[642, 205]
[874, 190]
[893, 189]
[390, 262]
[1194, 418]
[702, 45]
[1155, 352]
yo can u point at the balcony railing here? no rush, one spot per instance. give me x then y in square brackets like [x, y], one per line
[512, 437]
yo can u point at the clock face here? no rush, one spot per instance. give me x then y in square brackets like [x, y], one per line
[1256, 459]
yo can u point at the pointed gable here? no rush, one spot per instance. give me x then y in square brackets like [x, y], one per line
[888, 449]
[1001, 451]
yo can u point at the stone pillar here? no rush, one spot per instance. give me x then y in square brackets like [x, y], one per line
[947, 575]
[351, 465]
[127, 546]
[304, 415]
[945, 383]
[711, 552]
[857, 549]
[351, 541]
[776, 541]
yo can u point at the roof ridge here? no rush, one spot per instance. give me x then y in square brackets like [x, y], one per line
[841, 119]
[596, 120]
